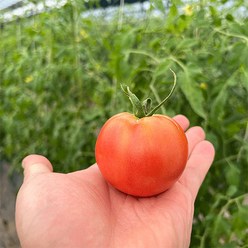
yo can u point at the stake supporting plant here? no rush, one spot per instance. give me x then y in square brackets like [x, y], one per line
[143, 109]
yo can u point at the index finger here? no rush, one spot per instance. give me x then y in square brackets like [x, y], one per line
[182, 121]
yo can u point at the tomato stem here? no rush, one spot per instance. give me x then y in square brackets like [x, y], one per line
[138, 109]
[171, 92]
[141, 110]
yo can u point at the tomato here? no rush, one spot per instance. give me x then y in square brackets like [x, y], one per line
[141, 156]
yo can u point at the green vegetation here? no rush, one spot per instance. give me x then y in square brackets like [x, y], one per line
[60, 76]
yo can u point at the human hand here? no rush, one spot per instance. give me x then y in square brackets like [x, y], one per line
[81, 209]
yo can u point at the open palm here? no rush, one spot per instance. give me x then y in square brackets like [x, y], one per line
[80, 209]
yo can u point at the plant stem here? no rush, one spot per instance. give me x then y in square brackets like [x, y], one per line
[160, 104]
[138, 109]
[121, 13]
[143, 110]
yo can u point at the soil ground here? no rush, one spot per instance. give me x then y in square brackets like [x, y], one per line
[9, 186]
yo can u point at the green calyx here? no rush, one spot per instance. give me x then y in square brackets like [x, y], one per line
[143, 109]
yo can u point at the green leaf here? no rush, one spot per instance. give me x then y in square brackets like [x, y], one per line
[192, 92]
[173, 12]
[240, 220]
[245, 83]
[232, 174]
[229, 17]
[147, 103]
[159, 5]
[217, 109]
[162, 68]
[186, 44]
[232, 189]
[218, 105]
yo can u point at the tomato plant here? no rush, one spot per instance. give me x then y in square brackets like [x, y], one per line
[141, 154]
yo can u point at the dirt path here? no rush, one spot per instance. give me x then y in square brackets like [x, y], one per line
[8, 189]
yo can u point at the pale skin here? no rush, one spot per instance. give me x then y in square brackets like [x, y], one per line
[81, 209]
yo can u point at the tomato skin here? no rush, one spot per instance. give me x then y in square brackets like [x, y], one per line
[141, 157]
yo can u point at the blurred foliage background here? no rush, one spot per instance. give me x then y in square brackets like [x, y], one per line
[60, 75]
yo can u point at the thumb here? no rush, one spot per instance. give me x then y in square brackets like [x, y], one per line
[34, 165]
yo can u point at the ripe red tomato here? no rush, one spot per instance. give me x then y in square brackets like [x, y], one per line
[141, 156]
